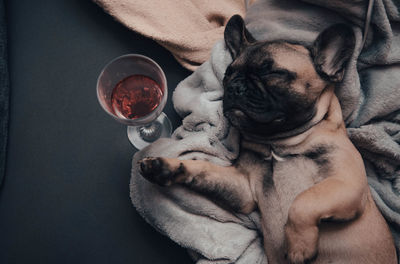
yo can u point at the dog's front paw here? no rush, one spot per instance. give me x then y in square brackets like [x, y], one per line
[301, 243]
[157, 170]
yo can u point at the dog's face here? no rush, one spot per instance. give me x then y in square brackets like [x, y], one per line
[273, 87]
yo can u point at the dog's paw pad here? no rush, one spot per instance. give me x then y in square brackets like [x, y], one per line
[156, 170]
[150, 165]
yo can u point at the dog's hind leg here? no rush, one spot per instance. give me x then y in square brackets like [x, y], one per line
[226, 186]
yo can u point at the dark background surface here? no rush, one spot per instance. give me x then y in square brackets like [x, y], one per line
[65, 195]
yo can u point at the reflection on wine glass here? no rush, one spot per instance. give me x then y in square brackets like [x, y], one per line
[133, 90]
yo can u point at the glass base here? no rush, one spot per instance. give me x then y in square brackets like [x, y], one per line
[142, 136]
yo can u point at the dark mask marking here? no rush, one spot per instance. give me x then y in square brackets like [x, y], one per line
[268, 177]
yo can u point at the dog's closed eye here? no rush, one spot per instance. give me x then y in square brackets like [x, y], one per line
[283, 74]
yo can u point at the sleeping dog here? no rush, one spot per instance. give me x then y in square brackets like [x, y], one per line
[296, 163]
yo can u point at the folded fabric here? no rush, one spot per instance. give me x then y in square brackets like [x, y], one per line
[369, 96]
[187, 28]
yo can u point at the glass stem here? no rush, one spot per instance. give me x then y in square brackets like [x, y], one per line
[150, 132]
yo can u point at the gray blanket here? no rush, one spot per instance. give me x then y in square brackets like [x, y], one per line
[369, 95]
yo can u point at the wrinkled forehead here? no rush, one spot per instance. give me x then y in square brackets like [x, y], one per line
[282, 55]
[291, 57]
[285, 56]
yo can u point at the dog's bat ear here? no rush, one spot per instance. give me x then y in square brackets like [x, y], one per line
[236, 35]
[332, 50]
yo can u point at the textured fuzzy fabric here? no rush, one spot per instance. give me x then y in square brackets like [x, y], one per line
[369, 95]
[187, 28]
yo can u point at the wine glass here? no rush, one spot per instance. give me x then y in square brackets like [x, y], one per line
[133, 89]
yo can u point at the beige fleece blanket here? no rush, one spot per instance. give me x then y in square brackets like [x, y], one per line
[187, 28]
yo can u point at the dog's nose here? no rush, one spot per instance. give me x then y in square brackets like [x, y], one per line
[236, 88]
[240, 91]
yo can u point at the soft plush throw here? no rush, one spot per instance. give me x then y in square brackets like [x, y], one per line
[187, 28]
[370, 99]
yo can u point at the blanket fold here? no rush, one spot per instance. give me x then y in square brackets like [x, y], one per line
[369, 96]
[187, 28]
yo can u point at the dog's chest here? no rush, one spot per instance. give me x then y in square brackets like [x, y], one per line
[276, 182]
[285, 180]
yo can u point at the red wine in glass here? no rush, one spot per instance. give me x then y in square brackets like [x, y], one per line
[136, 96]
[133, 90]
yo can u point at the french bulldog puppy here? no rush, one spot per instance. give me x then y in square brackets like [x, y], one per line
[296, 163]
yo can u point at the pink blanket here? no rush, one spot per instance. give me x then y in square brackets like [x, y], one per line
[187, 28]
